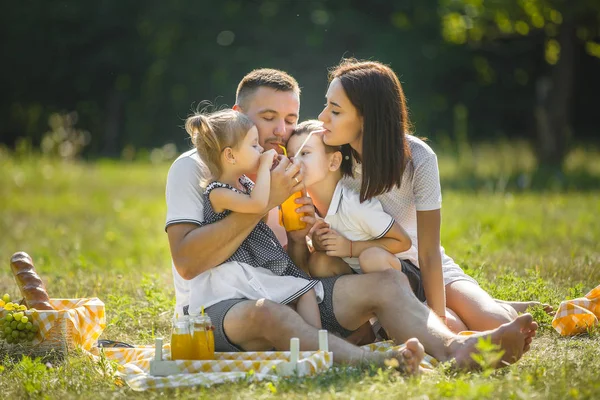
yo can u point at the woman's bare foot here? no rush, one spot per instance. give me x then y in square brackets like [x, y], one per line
[522, 306]
[514, 339]
[407, 359]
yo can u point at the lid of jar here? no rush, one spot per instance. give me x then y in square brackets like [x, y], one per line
[181, 318]
[200, 318]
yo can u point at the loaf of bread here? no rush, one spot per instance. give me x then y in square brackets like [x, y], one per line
[31, 286]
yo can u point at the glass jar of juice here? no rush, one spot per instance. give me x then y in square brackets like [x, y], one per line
[203, 339]
[288, 217]
[181, 339]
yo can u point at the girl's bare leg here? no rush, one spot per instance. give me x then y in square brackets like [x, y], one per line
[308, 309]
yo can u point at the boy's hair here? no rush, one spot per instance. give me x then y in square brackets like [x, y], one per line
[306, 127]
[214, 132]
[264, 77]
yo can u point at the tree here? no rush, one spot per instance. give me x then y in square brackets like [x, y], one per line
[556, 26]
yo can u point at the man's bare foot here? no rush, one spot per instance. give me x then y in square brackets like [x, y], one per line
[514, 339]
[522, 306]
[407, 359]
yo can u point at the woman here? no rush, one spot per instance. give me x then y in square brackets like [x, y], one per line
[366, 113]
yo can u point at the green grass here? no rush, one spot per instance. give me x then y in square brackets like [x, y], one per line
[96, 229]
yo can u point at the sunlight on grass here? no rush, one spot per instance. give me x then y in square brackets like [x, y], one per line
[97, 229]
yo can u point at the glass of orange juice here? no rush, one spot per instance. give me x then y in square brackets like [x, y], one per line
[203, 341]
[288, 217]
[181, 339]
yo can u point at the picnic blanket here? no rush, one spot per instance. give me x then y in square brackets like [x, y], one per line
[134, 366]
[578, 315]
[83, 320]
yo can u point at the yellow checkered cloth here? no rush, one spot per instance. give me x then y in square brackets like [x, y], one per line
[578, 315]
[134, 366]
[86, 317]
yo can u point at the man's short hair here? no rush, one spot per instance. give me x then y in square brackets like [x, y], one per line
[264, 77]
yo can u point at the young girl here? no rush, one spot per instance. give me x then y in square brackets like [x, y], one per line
[227, 141]
[354, 226]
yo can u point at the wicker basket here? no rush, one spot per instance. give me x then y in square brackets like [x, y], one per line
[56, 343]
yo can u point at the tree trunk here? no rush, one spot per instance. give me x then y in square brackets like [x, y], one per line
[552, 112]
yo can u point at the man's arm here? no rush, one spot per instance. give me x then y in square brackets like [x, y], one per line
[196, 249]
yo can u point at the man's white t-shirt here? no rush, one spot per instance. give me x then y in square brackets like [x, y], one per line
[420, 191]
[184, 198]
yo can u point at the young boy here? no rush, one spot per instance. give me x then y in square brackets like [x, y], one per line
[362, 234]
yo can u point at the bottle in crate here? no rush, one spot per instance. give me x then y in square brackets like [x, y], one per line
[203, 340]
[181, 339]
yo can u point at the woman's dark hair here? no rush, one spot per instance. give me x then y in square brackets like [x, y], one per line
[374, 89]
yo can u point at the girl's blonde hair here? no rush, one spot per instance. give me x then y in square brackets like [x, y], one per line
[212, 133]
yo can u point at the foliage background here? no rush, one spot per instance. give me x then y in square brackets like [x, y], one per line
[473, 70]
[507, 92]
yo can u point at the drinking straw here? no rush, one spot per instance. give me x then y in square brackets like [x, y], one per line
[304, 143]
[284, 149]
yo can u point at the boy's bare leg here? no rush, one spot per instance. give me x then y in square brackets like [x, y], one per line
[308, 308]
[323, 266]
[262, 325]
[376, 259]
[388, 295]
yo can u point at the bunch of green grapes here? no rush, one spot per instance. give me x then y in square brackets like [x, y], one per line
[16, 326]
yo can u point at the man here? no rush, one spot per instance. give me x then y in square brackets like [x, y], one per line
[271, 99]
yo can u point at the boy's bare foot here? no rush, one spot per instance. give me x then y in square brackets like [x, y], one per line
[514, 338]
[407, 359]
[522, 306]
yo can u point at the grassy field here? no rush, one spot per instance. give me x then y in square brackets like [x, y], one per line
[96, 229]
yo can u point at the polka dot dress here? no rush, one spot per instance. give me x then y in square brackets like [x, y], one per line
[261, 248]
